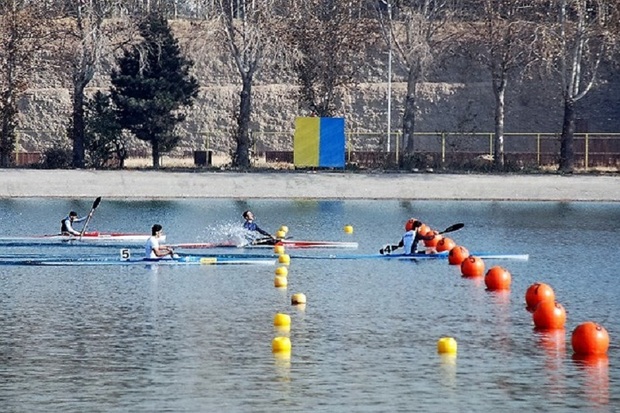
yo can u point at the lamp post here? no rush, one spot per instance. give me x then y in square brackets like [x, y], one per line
[389, 91]
[388, 3]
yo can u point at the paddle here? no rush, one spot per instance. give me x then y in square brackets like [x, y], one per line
[265, 241]
[90, 214]
[452, 228]
[389, 248]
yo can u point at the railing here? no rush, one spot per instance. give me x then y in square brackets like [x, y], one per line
[368, 149]
[537, 149]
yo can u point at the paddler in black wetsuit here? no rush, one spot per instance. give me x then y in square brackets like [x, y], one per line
[66, 225]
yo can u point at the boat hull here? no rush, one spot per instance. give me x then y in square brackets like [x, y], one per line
[87, 238]
[182, 261]
[413, 257]
[293, 244]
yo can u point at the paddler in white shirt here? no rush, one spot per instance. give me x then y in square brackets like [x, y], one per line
[153, 250]
[410, 239]
[66, 224]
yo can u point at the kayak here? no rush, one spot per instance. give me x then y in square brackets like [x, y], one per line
[413, 257]
[88, 237]
[402, 257]
[186, 260]
[287, 243]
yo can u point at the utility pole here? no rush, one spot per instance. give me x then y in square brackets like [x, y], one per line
[389, 91]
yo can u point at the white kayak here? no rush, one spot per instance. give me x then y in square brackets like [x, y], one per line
[91, 237]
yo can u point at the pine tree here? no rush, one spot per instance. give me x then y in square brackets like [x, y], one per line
[103, 136]
[152, 85]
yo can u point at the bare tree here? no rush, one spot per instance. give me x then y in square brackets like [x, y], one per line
[328, 36]
[246, 28]
[88, 38]
[579, 37]
[507, 38]
[416, 30]
[22, 33]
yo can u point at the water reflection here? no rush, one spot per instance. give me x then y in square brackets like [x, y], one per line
[595, 379]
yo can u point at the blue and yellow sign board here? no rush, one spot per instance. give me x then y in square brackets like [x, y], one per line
[319, 142]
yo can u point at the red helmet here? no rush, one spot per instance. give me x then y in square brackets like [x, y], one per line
[409, 224]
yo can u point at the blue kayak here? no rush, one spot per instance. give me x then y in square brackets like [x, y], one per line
[186, 260]
[412, 257]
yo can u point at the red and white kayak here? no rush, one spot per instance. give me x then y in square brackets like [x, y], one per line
[287, 243]
[87, 237]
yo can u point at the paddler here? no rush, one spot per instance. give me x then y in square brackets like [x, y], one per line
[410, 239]
[253, 228]
[66, 224]
[153, 250]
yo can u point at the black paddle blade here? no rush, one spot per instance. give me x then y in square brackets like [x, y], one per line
[452, 228]
[97, 202]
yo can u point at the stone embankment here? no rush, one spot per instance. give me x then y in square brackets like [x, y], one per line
[146, 185]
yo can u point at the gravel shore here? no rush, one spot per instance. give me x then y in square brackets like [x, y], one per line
[148, 184]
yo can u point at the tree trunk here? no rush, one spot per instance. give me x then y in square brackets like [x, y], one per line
[7, 132]
[155, 153]
[499, 90]
[77, 126]
[242, 155]
[409, 114]
[567, 150]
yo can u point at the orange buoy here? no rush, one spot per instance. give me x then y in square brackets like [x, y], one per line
[432, 242]
[424, 229]
[536, 293]
[445, 244]
[457, 255]
[590, 338]
[549, 315]
[472, 267]
[497, 278]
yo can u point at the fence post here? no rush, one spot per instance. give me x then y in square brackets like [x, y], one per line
[348, 145]
[586, 153]
[491, 143]
[443, 148]
[397, 149]
[538, 149]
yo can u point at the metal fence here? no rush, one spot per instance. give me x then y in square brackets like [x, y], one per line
[450, 148]
[367, 149]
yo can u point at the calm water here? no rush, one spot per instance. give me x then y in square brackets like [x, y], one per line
[198, 339]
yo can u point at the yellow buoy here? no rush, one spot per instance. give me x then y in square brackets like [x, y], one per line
[282, 319]
[298, 298]
[281, 344]
[282, 271]
[284, 259]
[278, 249]
[348, 229]
[280, 234]
[284, 229]
[280, 281]
[446, 345]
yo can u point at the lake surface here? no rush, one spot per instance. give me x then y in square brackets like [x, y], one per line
[198, 338]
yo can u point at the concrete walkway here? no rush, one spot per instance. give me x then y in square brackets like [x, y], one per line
[136, 184]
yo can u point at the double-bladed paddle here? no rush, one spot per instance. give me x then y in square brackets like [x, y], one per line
[389, 248]
[90, 214]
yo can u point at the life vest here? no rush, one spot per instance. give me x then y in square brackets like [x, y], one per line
[63, 225]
